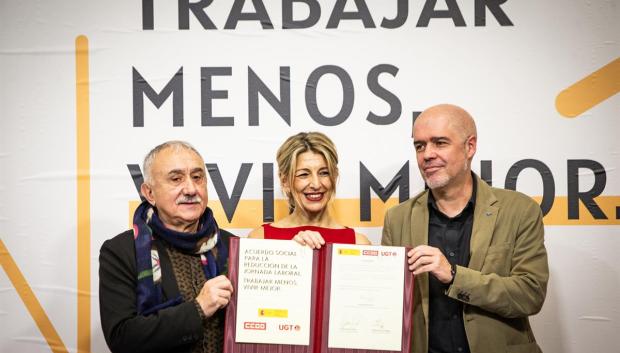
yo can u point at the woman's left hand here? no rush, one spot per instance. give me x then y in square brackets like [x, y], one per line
[310, 238]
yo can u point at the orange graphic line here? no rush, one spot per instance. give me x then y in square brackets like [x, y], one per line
[558, 215]
[30, 301]
[590, 91]
[83, 192]
[249, 213]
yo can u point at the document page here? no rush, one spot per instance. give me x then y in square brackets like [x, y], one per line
[366, 299]
[274, 292]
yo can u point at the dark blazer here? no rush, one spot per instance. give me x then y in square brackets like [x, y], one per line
[173, 329]
[506, 279]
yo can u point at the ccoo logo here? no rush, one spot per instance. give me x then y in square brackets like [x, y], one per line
[248, 325]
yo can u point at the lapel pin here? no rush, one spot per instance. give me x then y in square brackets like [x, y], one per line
[488, 213]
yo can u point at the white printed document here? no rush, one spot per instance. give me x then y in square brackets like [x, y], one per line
[366, 297]
[273, 297]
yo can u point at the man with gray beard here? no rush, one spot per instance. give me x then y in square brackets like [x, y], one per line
[478, 254]
[162, 285]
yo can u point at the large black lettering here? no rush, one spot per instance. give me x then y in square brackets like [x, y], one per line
[268, 211]
[229, 203]
[547, 179]
[141, 88]
[348, 95]
[486, 171]
[587, 197]
[282, 105]
[414, 115]
[494, 6]
[288, 21]
[148, 14]
[368, 181]
[237, 14]
[197, 8]
[390, 98]
[452, 12]
[136, 176]
[208, 94]
[339, 14]
[402, 12]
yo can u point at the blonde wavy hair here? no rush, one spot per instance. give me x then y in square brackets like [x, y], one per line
[295, 145]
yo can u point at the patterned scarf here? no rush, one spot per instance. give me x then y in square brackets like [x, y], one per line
[148, 226]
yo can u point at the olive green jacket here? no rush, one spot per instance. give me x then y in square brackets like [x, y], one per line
[506, 279]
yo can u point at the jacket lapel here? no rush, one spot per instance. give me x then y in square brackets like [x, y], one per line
[485, 215]
[419, 234]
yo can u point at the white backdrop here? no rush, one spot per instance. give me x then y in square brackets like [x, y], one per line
[507, 76]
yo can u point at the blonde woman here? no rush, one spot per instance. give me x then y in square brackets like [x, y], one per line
[308, 172]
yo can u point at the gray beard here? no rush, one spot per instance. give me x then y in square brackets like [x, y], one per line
[443, 180]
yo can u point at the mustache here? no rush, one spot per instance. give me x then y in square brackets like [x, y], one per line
[188, 199]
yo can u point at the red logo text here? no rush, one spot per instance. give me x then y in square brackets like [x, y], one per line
[254, 325]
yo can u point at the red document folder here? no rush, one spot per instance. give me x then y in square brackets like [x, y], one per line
[319, 314]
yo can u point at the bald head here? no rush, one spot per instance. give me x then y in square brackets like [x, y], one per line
[444, 137]
[455, 117]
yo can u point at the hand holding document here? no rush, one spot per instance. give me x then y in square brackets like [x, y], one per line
[340, 297]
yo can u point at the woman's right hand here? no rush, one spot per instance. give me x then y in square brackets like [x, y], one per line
[310, 238]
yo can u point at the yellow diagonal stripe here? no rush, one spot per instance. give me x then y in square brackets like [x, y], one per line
[82, 106]
[590, 91]
[30, 301]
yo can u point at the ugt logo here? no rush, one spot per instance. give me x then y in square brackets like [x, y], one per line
[288, 327]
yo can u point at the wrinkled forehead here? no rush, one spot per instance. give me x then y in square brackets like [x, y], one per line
[177, 158]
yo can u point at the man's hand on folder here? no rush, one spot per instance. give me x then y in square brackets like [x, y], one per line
[215, 294]
[424, 258]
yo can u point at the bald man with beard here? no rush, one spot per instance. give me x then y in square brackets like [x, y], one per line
[478, 252]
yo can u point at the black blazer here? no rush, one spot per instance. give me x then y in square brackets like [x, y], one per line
[173, 329]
